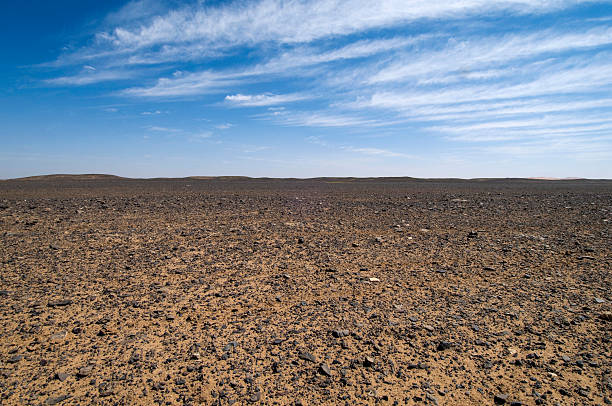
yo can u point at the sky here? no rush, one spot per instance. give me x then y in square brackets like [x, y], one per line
[307, 88]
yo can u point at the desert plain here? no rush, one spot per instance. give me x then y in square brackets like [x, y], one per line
[340, 291]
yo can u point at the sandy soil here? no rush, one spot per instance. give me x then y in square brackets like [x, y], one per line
[326, 291]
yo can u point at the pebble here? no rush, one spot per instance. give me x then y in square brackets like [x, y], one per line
[15, 358]
[61, 376]
[368, 362]
[255, 397]
[500, 399]
[85, 371]
[59, 336]
[606, 316]
[307, 356]
[340, 333]
[56, 400]
[443, 345]
[60, 303]
[324, 370]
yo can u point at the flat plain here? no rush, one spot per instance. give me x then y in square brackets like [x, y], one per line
[341, 291]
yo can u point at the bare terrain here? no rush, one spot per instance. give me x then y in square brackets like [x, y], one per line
[303, 292]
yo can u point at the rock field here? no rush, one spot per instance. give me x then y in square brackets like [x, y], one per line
[304, 292]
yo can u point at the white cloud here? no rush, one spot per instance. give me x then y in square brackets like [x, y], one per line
[163, 129]
[262, 99]
[292, 21]
[89, 77]
[317, 119]
[466, 59]
[186, 85]
[378, 152]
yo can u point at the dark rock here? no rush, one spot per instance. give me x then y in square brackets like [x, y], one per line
[85, 371]
[57, 400]
[61, 376]
[60, 303]
[255, 397]
[368, 362]
[500, 399]
[15, 358]
[443, 345]
[307, 356]
[324, 370]
[606, 316]
[340, 333]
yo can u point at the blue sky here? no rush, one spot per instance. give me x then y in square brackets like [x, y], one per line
[463, 88]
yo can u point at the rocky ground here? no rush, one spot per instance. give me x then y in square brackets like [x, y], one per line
[328, 291]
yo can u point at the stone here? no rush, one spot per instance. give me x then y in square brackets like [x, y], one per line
[340, 333]
[15, 358]
[85, 371]
[61, 376]
[368, 362]
[255, 397]
[307, 356]
[324, 370]
[57, 400]
[59, 336]
[500, 399]
[599, 300]
[60, 303]
[606, 316]
[443, 346]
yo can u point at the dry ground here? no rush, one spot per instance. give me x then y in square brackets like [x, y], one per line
[282, 292]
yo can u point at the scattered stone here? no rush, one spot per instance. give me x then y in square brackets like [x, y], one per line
[443, 346]
[57, 400]
[307, 356]
[607, 316]
[15, 358]
[60, 303]
[324, 370]
[340, 333]
[85, 371]
[59, 336]
[368, 362]
[374, 280]
[599, 300]
[255, 397]
[500, 399]
[61, 376]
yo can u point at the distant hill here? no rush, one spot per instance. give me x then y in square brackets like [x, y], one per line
[88, 176]
[330, 179]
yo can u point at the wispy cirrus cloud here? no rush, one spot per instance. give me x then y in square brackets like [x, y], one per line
[301, 21]
[259, 100]
[371, 65]
[90, 76]
[385, 153]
